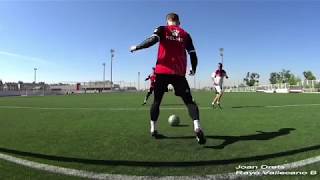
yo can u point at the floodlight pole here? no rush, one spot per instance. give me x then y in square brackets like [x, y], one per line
[138, 81]
[112, 56]
[221, 54]
[35, 74]
[194, 82]
[104, 75]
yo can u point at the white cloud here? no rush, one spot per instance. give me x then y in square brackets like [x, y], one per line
[24, 58]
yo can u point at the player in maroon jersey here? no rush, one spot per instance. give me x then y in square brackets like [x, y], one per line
[171, 69]
[152, 78]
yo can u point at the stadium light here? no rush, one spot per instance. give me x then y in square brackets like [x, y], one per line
[35, 74]
[104, 75]
[112, 56]
[194, 82]
[221, 54]
[138, 81]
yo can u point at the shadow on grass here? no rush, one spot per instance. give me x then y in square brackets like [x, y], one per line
[181, 125]
[172, 104]
[261, 136]
[233, 139]
[239, 107]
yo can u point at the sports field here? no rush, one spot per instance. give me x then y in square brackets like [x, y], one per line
[109, 133]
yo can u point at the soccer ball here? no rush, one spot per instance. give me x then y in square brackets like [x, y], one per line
[174, 120]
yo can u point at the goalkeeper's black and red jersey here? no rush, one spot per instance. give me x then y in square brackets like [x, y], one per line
[174, 42]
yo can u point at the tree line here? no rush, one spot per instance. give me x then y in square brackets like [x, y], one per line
[284, 76]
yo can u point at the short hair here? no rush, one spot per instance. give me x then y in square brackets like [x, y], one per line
[173, 17]
[220, 64]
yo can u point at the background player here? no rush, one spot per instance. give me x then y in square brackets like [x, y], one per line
[218, 77]
[171, 69]
[152, 78]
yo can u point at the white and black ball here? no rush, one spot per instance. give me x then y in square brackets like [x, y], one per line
[174, 120]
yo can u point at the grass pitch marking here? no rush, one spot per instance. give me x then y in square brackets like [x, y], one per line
[141, 109]
[94, 175]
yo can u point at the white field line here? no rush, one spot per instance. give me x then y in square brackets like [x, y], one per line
[94, 175]
[137, 109]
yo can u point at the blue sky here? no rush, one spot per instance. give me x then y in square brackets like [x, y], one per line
[69, 41]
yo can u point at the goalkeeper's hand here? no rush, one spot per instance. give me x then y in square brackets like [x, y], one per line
[192, 72]
[133, 48]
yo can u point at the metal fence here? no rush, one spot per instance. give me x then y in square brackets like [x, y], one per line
[307, 86]
[31, 93]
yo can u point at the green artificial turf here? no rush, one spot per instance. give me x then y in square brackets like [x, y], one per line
[97, 133]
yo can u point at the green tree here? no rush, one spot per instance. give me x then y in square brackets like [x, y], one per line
[274, 78]
[293, 80]
[251, 79]
[285, 76]
[308, 75]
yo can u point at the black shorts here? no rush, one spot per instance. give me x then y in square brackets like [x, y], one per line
[179, 83]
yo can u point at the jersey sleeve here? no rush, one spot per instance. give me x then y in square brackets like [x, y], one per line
[152, 40]
[213, 75]
[189, 44]
[158, 32]
[225, 73]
